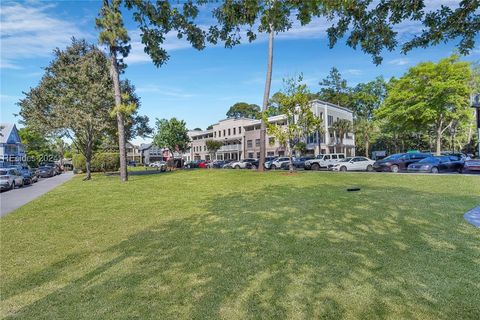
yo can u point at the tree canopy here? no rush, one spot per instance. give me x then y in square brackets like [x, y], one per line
[73, 98]
[244, 110]
[172, 134]
[430, 97]
[365, 24]
[294, 103]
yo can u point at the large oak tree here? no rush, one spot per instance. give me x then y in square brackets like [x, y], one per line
[430, 97]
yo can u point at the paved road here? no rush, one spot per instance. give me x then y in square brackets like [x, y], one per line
[14, 199]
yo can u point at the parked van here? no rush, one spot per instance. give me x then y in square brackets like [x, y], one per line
[324, 161]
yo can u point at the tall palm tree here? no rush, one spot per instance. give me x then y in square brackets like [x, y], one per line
[341, 127]
[364, 129]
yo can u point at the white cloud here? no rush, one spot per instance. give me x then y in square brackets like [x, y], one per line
[353, 72]
[399, 61]
[30, 31]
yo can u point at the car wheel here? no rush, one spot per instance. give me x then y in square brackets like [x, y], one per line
[12, 186]
[460, 170]
[369, 168]
[273, 167]
[434, 170]
[315, 166]
[343, 169]
[237, 167]
[254, 167]
[395, 169]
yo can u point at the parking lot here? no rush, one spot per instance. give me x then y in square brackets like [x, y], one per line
[14, 199]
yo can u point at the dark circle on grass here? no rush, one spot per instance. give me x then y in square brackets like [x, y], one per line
[353, 189]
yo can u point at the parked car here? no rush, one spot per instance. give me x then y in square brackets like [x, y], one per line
[192, 164]
[203, 164]
[299, 163]
[248, 163]
[35, 174]
[323, 161]
[354, 164]
[277, 163]
[28, 174]
[228, 164]
[217, 164]
[472, 165]
[10, 178]
[56, 168]
[436, 164]
[46, 172]
[162, 165]
[268, 161]
[132, 163]
[399, 161]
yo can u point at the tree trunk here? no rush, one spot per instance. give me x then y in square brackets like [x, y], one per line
[266, 96]
[120, 118]
[367, 147]
[439, 140]
[88, 162]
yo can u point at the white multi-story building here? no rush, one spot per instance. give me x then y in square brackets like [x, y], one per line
[241, 137]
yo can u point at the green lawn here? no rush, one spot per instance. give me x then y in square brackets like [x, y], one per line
[238, 244]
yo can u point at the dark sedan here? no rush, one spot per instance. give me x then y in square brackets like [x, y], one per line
[46, 172]
[217, 164]
[438, 164]
[399, 161]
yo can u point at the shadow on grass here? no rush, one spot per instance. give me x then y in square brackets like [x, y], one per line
[275, 255]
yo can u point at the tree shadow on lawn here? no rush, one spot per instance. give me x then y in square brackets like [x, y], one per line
[276, 255]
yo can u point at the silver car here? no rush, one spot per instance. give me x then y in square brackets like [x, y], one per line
[10, 178]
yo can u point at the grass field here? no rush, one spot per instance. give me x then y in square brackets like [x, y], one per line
[238, 244]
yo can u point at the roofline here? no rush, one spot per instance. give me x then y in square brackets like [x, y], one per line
[331, 105]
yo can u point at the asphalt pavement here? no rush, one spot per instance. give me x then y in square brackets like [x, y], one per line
[14, 199]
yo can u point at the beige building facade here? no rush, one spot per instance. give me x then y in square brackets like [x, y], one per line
[241, 137]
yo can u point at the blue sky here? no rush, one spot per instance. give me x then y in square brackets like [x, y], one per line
[197, 86]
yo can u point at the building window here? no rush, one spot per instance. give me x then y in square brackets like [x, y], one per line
[250, 154]
[249, 144]
[330, 120]
[224, 133]
[258, 155]
[234, 133]
[321, 115]
[271, 140]
[257, 142]
[219, 133]
[270, 154]
[239, 130]
[228, 131]
[215, 134]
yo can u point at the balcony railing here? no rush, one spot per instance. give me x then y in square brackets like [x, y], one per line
[231, 147]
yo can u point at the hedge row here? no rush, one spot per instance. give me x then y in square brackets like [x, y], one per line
[101, 162]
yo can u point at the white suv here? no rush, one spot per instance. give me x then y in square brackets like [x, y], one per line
[324, 161]
[277, 163]
[248, 163]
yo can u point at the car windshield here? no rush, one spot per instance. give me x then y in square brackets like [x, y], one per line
[394, 156]
[346, 159]
[429, 160]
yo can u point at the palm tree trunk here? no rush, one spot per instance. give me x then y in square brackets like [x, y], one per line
[120, 118]
[266, 95]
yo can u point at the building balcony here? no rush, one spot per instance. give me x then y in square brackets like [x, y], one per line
[231, 147]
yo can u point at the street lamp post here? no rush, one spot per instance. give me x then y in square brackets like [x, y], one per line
[476, 105]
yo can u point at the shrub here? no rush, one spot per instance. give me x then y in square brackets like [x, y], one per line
[101, 162]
